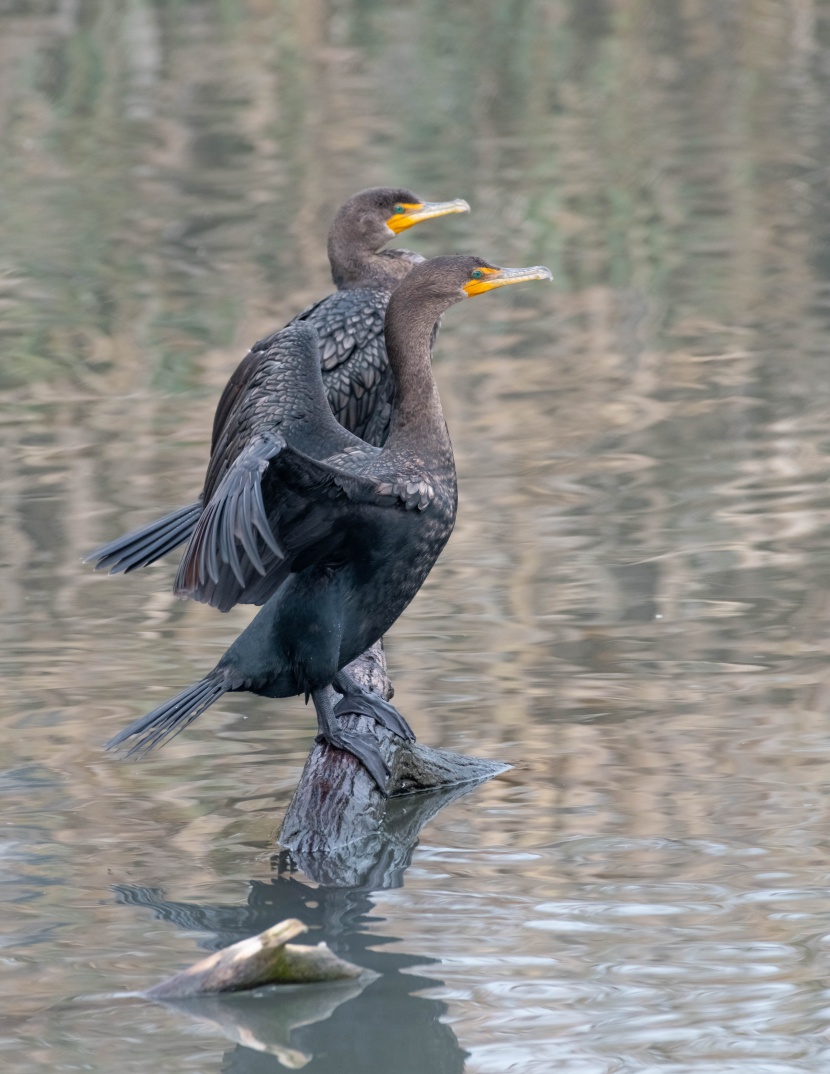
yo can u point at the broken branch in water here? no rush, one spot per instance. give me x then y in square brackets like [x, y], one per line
[260, 960]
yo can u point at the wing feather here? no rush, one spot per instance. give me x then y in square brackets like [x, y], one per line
[242, 552]
[353, 358]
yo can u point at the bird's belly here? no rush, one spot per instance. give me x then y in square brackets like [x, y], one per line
[325, 616]
[388, 585]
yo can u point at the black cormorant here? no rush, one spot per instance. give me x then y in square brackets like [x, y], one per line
[349, 324]
[341, 541]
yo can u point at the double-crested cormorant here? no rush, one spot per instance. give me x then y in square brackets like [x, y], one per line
[343, 541]
[349, 324]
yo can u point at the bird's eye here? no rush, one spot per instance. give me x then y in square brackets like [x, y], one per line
[477, 274]
[399, 209]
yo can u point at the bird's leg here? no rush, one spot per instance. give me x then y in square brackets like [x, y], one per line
[362, 746]
[360, 701]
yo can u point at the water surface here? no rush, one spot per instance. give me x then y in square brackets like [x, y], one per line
[634, 606]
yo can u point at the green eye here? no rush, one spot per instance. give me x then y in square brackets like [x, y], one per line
[477, 274]
[399, 209]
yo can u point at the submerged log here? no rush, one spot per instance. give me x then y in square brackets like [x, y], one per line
[339, 828]
[260, 960]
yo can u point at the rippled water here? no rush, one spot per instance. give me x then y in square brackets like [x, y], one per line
[634, 606]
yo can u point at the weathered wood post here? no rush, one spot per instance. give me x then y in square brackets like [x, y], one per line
[339, 828]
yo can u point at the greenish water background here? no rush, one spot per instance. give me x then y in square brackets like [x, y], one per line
[634, 604]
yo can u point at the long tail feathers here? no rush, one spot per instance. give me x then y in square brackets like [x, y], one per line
[145, 546]
[166, 721]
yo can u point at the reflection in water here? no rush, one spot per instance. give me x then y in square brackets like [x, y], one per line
[297, 1025]
[264, 1021]
[634, 602]
[371, 851]
[303, 1027]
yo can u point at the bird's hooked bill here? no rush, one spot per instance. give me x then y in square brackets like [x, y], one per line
[426, 210]
[500, 277]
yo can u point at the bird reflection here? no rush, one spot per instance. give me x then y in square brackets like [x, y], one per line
[372, 1026]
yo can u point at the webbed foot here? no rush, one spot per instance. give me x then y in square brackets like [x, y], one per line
[359, 702]
[365, 749]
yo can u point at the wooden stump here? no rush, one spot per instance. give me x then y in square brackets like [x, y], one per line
[340, 829]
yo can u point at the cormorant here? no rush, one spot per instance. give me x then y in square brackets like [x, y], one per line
[349, 324]
[340, 543]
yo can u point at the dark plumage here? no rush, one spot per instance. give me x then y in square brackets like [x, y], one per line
[349, 324]
[336, 535]
[353, 356]
[284, 407]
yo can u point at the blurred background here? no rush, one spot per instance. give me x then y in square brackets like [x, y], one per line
[634, 605]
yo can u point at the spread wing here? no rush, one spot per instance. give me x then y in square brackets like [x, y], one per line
[277, 510]
[276, 389]
[349, 324]
[356, 374]
[234, 390]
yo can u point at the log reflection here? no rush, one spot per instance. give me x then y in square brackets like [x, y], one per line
[321, 1028]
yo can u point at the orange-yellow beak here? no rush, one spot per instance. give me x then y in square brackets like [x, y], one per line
[500, 277]
[416, 213]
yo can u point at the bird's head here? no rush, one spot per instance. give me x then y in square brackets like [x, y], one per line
[449, 279]
[373, 217]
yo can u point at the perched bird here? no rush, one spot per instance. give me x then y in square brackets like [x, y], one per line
[338, 543]
[349, 324]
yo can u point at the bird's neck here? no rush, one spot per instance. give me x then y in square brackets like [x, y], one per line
[409, 332]
[353, 266]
